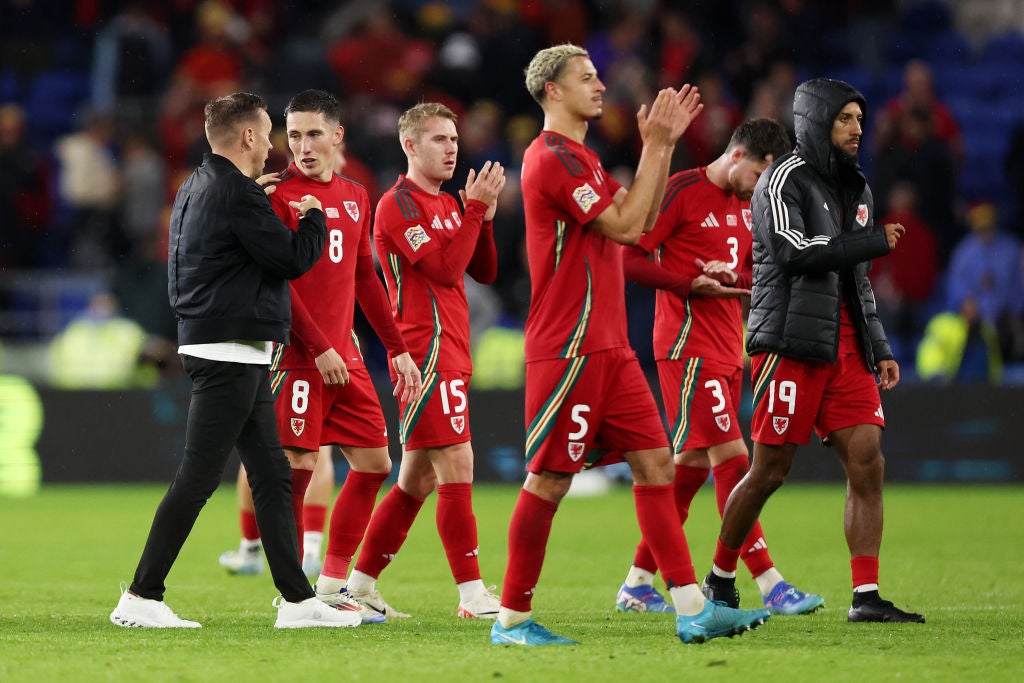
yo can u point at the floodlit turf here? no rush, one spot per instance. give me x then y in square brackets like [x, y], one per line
[952, 553]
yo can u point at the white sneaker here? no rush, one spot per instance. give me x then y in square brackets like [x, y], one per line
[343, 597]
[242, 561]
[311, 565]
[134, 611]
[483, 606]
[374, 601]
[312, 612]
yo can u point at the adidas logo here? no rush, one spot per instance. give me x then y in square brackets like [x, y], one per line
[710, 222]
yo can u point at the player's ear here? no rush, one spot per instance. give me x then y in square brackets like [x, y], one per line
[551, 90]
[339, 134]
[248, 137]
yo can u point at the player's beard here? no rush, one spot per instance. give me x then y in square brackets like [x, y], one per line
[846, 161]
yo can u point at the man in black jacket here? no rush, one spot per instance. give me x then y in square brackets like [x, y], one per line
[814, 336]
[229, 262]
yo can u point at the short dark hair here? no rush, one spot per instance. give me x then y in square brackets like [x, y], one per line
[223, 114]
[317, 102]
[761, 137]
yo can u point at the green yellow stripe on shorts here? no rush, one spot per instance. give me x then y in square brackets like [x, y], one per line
[277, 378]
[542, 423]
[676, 352]
[760, 382]
[414, 410]
[688, 387]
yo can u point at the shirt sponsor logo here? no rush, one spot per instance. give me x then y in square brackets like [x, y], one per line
[458, 423]
[353, 210]
[585, 197]
[781, 424]
[576, 450]
[748, 218]
[416, 236]
[298, 425]
[862, 214]
[332, 212]
[723, 422]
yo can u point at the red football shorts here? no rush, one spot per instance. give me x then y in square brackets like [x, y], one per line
[792, 396]
[311, 414]
[440, 416]
[701, 399]
[588, 410]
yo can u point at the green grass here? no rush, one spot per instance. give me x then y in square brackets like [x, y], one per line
[952, 553]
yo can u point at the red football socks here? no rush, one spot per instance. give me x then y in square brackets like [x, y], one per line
[528, 534]
[456, 524]
[349, 519]
[660, 528]
[685, 487]
[388, 528]
[754, 550]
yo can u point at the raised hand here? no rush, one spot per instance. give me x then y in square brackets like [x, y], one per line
[485, 186]
[690, 107]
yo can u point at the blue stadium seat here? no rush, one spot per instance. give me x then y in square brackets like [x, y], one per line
[54, 97]
[947, 47]
[1005, 48]
[11, 89]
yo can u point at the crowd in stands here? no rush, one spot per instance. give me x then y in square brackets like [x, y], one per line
[101, 117]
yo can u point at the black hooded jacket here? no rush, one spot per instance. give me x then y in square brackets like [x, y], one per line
[814, 237]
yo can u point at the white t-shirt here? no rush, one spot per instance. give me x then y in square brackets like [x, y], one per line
[250, 352]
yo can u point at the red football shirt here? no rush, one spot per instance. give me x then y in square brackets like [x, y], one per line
[327, 289]
[698, 219]
[577, 302]
[433, 316]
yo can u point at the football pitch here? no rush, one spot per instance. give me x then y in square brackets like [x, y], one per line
[952, 553]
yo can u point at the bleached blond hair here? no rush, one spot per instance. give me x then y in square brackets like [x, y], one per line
[548, 65]
[413, 122]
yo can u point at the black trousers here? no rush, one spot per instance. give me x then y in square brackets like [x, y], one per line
[231, 406]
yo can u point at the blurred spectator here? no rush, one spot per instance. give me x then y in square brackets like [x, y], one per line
[904, 280]
[99, 349]
[919, 93]
[132, 57]
[915, 155]
[985, 275]
[24, 201]
[763, 43]
[211, 67]
[89, 184]
[679, 48]
[772, 97]
[958, 346]
[708, 135]
[144, 191]
[214, 64]
[559, 21]
[378, 58]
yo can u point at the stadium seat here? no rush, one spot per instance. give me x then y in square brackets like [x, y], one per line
[54, 97]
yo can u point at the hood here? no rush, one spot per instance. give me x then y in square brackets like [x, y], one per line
[815, 106]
